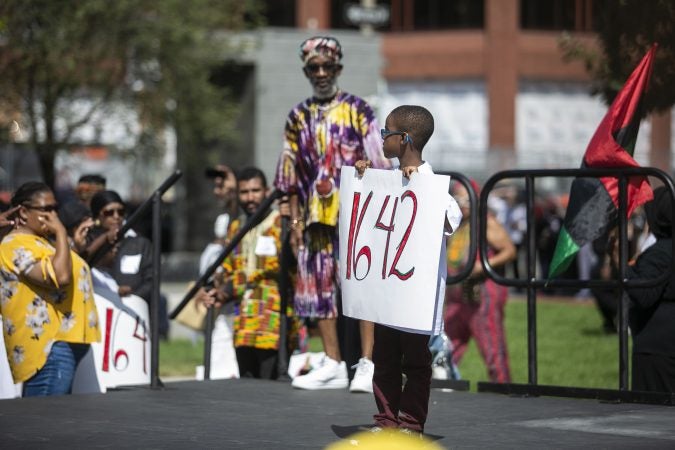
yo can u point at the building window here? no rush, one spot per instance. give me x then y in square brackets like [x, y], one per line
[410, 15]
[279, 13]
[572, 15]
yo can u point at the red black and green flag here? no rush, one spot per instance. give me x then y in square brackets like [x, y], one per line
[593, 202]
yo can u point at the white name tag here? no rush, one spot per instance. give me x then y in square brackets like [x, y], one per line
[130, 264]
[265, 246]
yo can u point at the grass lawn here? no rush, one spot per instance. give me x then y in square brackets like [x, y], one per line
[573, 350]
[179, 357]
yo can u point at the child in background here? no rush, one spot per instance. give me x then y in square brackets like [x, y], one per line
[407, 130]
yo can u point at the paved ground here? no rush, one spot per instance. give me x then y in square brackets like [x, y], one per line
[253, 414]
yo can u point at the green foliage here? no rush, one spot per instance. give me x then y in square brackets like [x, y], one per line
[572, 347]
[154, 56]
[626, 30]
[180, 357]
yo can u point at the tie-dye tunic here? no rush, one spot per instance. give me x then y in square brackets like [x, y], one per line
[320, 138]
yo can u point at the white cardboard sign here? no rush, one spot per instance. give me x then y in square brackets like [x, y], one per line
[122, 358]
[391, 234]
[7, 387]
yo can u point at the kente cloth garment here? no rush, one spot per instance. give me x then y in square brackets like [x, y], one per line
[34, 317]
[320, 138]
[253, 268]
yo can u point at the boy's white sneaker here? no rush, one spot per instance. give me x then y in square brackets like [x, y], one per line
[330, 375]
[363, 378]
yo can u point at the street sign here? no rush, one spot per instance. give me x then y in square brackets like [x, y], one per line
[359, 15]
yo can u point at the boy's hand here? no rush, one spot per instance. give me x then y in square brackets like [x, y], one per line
[408, 170]
[361, 166]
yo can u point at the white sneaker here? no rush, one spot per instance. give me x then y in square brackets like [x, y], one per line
[331, 375]
[439, 373]
[363, 378]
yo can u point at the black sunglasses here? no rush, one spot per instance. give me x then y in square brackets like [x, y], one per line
[386, 133]
[328, 68]
[45, 208]
[110, 212]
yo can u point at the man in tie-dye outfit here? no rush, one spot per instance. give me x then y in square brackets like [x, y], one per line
[324, 132]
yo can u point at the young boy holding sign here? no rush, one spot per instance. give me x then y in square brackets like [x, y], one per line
[407, 130]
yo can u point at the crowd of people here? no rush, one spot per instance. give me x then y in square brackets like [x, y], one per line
[49, 316]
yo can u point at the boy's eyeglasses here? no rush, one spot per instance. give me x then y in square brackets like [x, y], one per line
[45, 208]
[328, 68]
[386, 133]
[113, 211]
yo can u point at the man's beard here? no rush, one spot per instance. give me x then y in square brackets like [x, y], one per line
[327, 92]
[250, 208]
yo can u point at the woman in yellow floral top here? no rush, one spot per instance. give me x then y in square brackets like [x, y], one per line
[46, 297]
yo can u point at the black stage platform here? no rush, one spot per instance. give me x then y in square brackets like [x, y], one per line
[253, 414]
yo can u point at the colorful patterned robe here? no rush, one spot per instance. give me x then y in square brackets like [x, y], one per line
[321, 137]
[253, 269]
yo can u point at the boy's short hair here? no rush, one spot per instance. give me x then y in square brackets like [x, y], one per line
[249, 173]
[416, 121]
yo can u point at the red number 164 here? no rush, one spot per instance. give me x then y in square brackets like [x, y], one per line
[355, 223]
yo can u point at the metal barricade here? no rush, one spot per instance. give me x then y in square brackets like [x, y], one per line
[622, 394]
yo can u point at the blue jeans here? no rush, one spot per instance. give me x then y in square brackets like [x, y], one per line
[56, 376]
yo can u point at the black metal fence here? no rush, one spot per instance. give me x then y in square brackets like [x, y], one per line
[478, 242]
[532, 283]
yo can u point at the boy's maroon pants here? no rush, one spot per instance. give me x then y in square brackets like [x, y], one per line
[396, 352]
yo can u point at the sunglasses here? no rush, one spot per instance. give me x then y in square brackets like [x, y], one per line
[386, 133]
[45, 208]
[110, 212]
[328, 68]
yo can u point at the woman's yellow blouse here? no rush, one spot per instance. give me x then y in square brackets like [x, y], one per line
[34, 317]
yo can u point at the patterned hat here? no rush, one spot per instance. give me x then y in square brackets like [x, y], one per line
[321, 45]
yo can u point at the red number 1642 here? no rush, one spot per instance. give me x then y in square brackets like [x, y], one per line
[355, 223]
